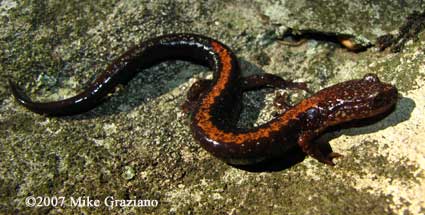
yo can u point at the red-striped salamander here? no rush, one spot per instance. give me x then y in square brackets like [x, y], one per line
[215, 104]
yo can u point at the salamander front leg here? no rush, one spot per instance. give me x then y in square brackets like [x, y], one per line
[195, 92]
[305, 141]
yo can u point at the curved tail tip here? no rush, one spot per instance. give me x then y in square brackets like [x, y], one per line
[20, 96]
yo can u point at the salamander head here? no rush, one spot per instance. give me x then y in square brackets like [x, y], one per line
[356, 99]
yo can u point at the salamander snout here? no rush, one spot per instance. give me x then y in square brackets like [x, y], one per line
[381, 95]
[375, 97]
[386, 97]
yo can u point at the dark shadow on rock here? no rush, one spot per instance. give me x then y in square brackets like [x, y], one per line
[289, 159]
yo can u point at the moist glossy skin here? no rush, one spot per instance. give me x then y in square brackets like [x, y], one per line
[215, 104]
[301, 124]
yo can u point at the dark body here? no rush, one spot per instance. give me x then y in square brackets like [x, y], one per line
[213, 104]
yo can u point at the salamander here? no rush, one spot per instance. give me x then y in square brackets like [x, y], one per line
[214, 105]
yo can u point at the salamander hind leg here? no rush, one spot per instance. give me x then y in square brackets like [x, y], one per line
[305, 141]
[193, 95]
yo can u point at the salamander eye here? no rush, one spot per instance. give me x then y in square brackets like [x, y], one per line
[371, 77]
